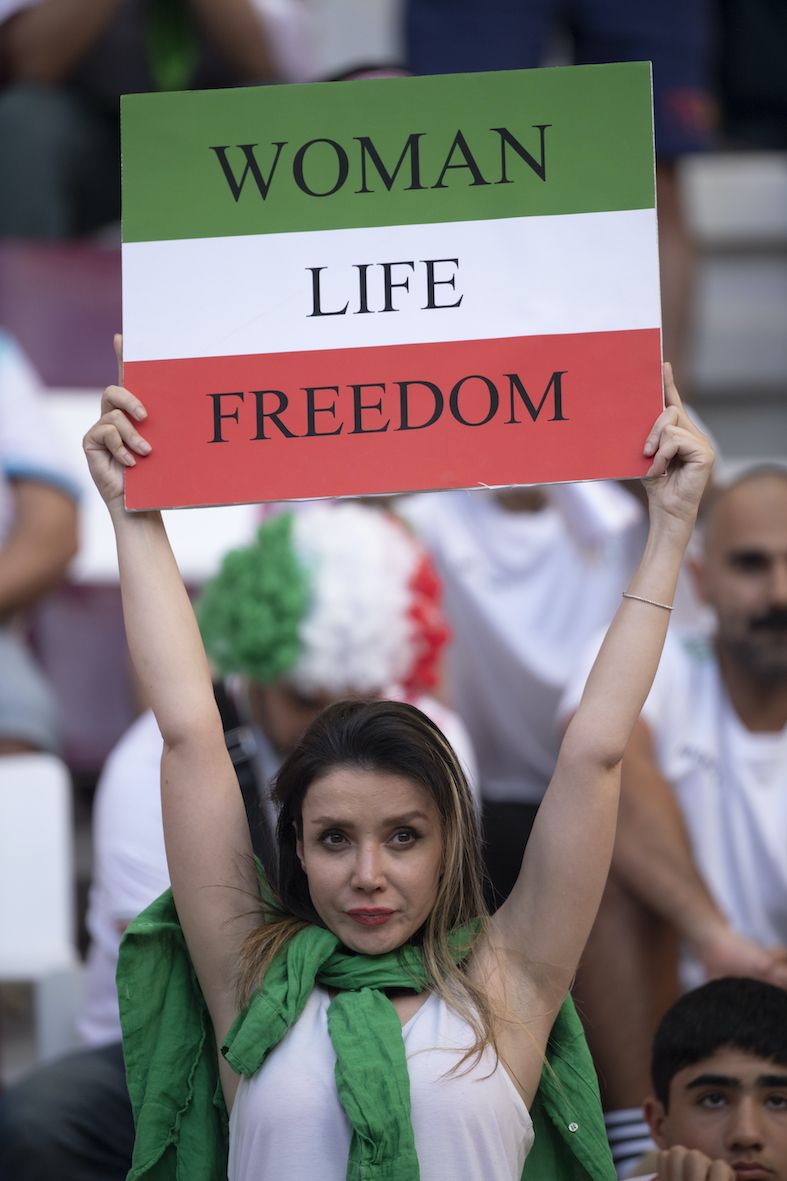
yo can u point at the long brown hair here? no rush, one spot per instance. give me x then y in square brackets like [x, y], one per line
[399, 739]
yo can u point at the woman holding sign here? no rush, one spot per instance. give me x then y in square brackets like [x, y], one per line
[374, 1021]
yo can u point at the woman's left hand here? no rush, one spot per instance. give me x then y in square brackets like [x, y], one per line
[682, 458]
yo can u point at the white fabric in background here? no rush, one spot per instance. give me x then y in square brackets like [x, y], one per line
[29, 447]
[523, 593]
[129, 867]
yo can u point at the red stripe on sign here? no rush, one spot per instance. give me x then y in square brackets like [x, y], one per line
[229, 430]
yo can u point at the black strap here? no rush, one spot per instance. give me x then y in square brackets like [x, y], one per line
[242, 750]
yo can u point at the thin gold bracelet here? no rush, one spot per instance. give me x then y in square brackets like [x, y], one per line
[652, 602]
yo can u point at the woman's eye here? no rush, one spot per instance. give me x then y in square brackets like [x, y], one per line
[776, 1102]
[333, 839]
[404, 838]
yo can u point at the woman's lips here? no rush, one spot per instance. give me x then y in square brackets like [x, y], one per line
[750, 1171]
[370, 918]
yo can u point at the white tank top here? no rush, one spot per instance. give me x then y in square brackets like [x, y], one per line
[287, 1121]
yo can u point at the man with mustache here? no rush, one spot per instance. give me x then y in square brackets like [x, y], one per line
[700, 863]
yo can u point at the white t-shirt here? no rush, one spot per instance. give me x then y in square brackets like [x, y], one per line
[129, 860]
[730, 783]
[29, 448]
[129, 866]
[523, 593]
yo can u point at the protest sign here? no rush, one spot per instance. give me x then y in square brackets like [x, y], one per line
[378, 286]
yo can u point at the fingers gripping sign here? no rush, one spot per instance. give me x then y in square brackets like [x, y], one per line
[682, 457]
[113, 442]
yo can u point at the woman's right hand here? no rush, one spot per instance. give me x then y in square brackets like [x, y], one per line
[111, 443]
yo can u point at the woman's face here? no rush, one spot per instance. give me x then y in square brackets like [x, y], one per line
[372, 852]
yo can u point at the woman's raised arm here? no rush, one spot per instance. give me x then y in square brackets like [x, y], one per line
[206, 833]
[548, 916]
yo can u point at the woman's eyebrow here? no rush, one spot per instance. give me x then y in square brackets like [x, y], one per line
[330, 822]
[405, 818]
[387, 821]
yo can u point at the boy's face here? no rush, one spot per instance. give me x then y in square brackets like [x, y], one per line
[731, 1106]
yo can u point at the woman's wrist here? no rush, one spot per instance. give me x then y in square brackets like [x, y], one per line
[119, 513]
[667, 526]
[667, 542]
[656, 576]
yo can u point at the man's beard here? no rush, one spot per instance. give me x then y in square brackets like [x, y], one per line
[762, 649]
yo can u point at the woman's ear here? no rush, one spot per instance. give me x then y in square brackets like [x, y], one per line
[299, 846]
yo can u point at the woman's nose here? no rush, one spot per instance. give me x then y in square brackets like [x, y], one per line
[368, 869]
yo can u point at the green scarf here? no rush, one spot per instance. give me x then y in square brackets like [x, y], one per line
[172, 1074]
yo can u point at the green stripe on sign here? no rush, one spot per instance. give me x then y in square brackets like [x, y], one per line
[392, 151]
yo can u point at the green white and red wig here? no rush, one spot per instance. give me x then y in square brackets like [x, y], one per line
[334, 598]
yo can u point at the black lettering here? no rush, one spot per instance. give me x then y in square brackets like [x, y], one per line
[273, 415]
[342, 167]
[468, 161]
[263, 183]
[410, 148]
[312, 410]
[555, 381]
[316, 304]
[432, 282]
[506, 138]
[219, 414]
[363, 292]
[404, 405]
[494, 400]
[389, 284]
[359, 406]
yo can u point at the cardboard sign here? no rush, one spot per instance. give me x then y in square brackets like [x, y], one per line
[379, 286]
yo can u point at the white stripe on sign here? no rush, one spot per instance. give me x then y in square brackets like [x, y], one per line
[274, 293]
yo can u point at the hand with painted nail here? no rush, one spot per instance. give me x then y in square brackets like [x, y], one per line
[113, 443]
[682, 459]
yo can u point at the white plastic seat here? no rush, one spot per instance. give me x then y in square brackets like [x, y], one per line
[37, 894]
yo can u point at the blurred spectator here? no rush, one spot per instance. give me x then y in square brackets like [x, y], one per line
[66, 62]
[343, 602]
[38, 537]
[703, 821]
[529, 575]
[446, 36]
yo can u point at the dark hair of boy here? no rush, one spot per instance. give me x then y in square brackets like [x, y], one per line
[733, 1012]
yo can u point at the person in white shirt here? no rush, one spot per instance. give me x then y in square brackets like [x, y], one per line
[699, 862]
[38, 538]
[346, 816]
